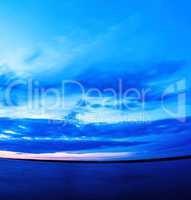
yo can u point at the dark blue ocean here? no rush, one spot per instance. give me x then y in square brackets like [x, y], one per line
[29, 180]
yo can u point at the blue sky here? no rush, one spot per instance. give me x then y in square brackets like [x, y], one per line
[145, 43]
[38, 36]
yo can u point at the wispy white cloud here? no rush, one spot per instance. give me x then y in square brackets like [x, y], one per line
[67, 156]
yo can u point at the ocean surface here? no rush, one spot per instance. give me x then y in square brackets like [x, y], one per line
[21, 180]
